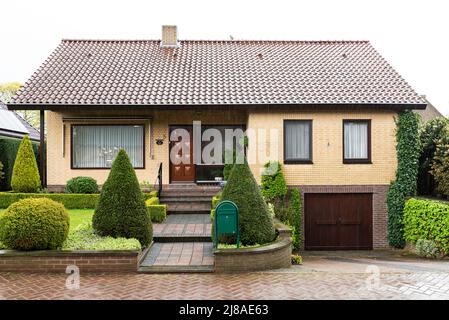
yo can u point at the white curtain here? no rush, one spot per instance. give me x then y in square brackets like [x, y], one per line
[356, 140]
[297, 140]
[96, 146]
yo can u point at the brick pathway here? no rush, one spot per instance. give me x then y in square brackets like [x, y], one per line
[180, 254]
[183, 225]
[182, 244]
[285, 284]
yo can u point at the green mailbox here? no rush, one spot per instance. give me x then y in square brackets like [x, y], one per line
[226, 221]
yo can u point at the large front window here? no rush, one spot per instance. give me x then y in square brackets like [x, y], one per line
[96, 146]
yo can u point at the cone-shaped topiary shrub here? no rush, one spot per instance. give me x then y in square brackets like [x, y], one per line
[121, 209]
[34, 224]
[256, 224]
[25, 174]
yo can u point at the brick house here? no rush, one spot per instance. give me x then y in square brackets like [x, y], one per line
[329, 107]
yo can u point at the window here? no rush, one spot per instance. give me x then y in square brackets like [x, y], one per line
[96, 146]
[297, 141]
[357, 141]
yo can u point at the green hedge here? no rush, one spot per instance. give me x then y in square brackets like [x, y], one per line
[408, 152]
[158, 212]
[429, 220]
[70, 201]
[8, 152]
[152, 201]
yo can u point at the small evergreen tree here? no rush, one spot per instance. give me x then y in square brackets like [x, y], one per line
[121, 209]
[440, 164]
[274, 186]
[25, 174]
[256, 224]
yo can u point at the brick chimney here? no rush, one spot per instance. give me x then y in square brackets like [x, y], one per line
[169, 37]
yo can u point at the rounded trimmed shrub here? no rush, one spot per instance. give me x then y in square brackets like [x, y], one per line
[25, 174]
[256, 223]
[81, 185]
[34, 224]
[427, 249]
[121, 209]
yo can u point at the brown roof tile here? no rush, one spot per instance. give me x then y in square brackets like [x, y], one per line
[107, 72]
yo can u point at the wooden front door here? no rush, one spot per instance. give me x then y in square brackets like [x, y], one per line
[185, 170]
[338, 221]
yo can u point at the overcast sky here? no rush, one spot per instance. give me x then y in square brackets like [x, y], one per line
[412, 35]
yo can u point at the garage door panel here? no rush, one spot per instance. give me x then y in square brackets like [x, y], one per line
[338, 221]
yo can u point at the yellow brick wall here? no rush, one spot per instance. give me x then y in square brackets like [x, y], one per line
[328, 167]
[59, 169]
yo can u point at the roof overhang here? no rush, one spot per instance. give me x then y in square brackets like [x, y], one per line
[62, 107]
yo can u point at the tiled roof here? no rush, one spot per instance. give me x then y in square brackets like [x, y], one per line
[107, 72]
[13, 125]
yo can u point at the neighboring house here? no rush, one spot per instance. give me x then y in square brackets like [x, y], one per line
[429, 113]
[14, 126]
[331, 106]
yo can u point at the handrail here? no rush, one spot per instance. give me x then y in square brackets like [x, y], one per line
[159, 180]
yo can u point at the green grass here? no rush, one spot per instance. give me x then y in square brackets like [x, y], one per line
[77, 216]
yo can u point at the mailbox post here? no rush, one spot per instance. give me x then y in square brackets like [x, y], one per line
[226, 221]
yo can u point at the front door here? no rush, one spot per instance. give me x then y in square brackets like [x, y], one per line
[183, 168]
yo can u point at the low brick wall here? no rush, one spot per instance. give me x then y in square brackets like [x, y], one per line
[271, 256]
[58, 260]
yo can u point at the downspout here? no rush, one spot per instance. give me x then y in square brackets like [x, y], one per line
[42, 150]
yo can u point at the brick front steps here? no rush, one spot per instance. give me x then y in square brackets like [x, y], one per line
[182, 243]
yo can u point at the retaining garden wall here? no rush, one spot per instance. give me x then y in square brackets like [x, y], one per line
[58, 260]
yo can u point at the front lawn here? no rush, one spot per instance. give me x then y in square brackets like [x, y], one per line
[82, 237]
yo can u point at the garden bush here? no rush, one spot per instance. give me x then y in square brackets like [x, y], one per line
[121, 209]
[429, 220]
[296, 223]
[256, 224]
[273, 185]
[25, 174]
[440, 164]
[85, 238]
[34, 224]
[408, 151]
[430, 134]
[158, 212]
[152, 201]
[86, 185]
[427, 249]
[8, 152]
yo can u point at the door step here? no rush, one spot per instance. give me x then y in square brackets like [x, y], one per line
[176, 269]
[182, 238]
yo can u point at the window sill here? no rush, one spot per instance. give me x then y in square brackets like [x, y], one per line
[298, 162]
[357, 161]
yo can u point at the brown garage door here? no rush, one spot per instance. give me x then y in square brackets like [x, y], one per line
[338, 221]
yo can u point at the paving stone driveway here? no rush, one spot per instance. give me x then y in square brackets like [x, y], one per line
[321, 277]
